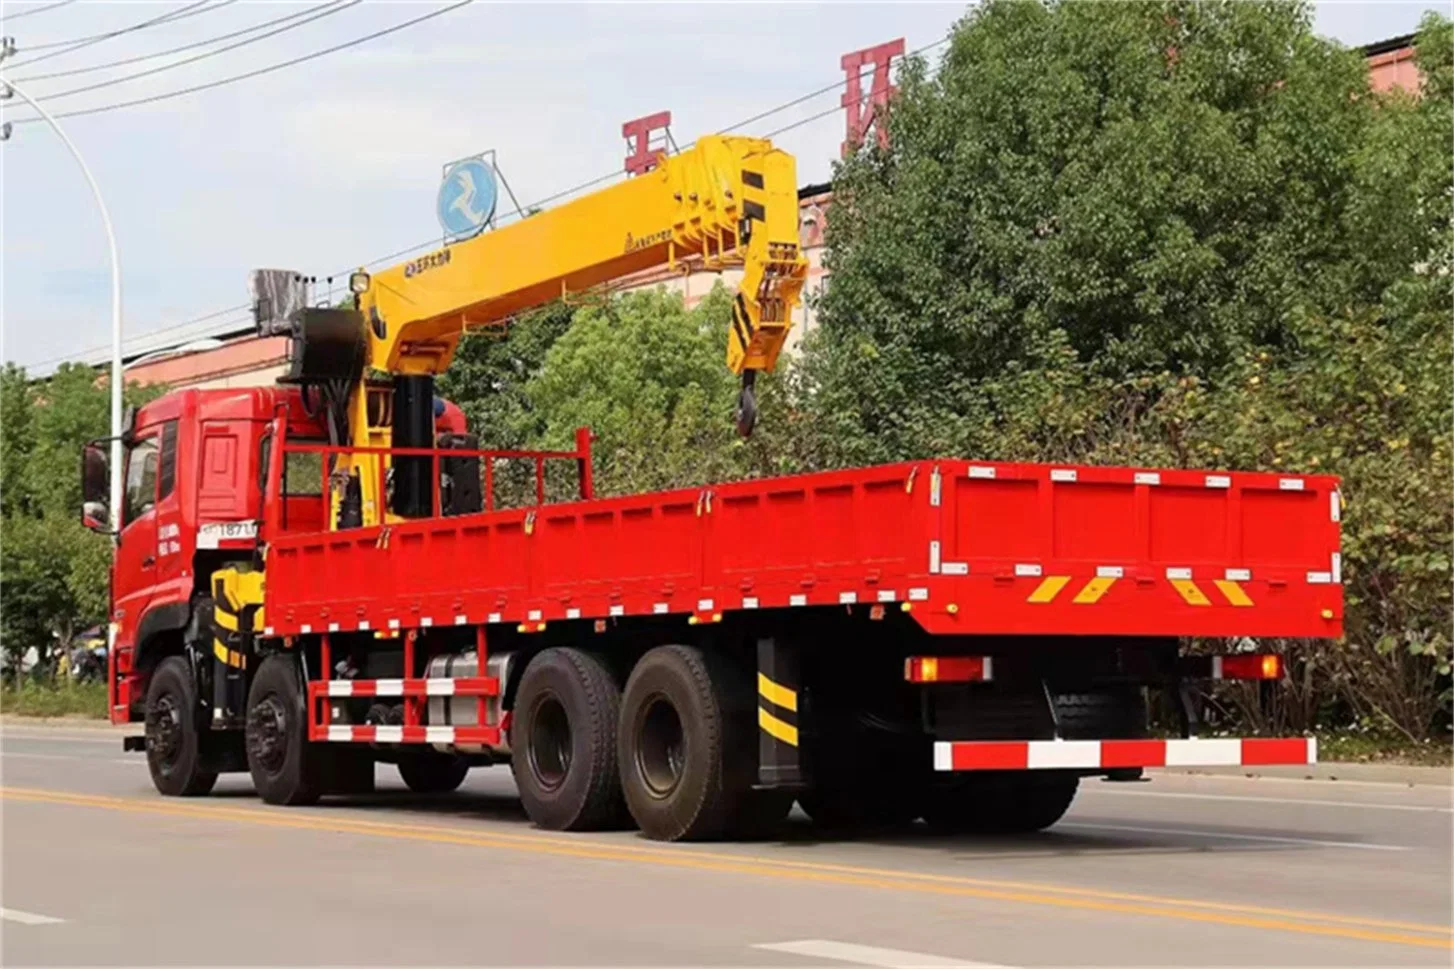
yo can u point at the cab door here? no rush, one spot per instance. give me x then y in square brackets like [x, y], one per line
[173, 579]
[134, 575]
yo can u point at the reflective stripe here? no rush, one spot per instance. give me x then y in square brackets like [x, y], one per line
[1191, 592]
[1091, 592]
[776, 694]
[1233, 592]
[1065, 753]
[780, 729]
[1048, 589]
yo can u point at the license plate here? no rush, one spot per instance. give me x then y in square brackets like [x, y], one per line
[211, 534]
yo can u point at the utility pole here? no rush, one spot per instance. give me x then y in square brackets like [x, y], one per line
[7, 48]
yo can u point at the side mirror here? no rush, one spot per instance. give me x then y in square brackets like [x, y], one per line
[95, 488]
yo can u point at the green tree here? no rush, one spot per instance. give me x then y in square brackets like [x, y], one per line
[648, 377]
[53, 572]
[1163, 184]
[491, 370]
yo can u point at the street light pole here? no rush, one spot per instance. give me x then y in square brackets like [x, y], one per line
[114, 509]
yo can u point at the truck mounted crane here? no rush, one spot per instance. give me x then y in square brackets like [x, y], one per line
[725, 202]
[318, 577]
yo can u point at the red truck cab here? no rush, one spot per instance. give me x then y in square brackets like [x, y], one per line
[193, 474]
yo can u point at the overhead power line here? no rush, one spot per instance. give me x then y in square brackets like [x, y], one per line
[165, 53]
[318, 13]
[566, 193]
[148, 335]
[259, 71]
[11, 17]
[70, 46]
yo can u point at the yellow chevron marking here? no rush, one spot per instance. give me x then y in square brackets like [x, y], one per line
[224, 619]
[1234, 593]
[780, 729]
[1047, 590]
[1092, 591]
[1190, 592]
[228, 656]
[777, 695]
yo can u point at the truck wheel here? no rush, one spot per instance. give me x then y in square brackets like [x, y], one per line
[173, 739]
[564, 742]
[285, 767]
[687, 750]
[1000, 804]
[433, 772]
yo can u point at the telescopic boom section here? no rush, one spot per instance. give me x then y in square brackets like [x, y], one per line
[724, 203]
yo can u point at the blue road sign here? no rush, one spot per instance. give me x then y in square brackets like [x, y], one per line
[467, 198]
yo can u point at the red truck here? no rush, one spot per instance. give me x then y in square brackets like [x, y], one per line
[949, 639]
[318, 576]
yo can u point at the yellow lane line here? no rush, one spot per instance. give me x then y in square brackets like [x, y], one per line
[1338, 926]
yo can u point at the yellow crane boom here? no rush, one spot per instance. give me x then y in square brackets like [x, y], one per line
[722, 203]
[726, 202]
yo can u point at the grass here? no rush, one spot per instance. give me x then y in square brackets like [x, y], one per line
[1364, 748]
[82, 700]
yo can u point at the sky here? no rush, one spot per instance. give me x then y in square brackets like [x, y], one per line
[333, 163]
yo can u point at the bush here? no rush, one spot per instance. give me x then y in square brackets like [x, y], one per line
[32, 699]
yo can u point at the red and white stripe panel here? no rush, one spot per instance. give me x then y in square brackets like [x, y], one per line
[436, 686]
[1107, 754]
[397, 734]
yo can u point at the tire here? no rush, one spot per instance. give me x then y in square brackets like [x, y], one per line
[564, 742]
[688, 749]
[286, 768]
[1015, 803]
[433, 772]
[174, 744]
[1114, 714]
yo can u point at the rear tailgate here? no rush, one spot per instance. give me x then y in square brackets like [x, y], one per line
[1028, 548]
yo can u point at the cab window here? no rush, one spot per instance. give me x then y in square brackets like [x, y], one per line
[141, 478]
[302, 471]
[167, 471]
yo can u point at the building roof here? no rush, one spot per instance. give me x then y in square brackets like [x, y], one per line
[1387, 46]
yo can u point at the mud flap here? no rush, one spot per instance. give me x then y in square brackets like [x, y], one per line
[779, 763]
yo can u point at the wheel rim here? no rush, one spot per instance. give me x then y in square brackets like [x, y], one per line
[164, 732]
[660, 747]
[550, 742]
[267, 733]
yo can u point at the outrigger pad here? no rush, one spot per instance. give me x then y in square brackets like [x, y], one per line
[277, 294]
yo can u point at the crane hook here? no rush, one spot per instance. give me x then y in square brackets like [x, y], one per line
[747, 404]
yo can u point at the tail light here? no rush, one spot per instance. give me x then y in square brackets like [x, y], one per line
[1247, 666]
[948, 669]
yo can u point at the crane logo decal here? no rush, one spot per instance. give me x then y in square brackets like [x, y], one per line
[467, 198]
[634, 244]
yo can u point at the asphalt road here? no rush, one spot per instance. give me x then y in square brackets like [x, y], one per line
[98, 869]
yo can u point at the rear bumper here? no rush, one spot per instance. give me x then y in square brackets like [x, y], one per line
[966, 755]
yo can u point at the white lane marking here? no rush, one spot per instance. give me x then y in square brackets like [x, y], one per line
[61, 736]
[27, 918]
[869, 955]
[89, 760]
[1230, 836]
[1273, 800]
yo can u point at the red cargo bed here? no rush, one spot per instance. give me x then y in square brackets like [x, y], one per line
[967, 547]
